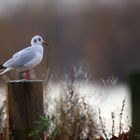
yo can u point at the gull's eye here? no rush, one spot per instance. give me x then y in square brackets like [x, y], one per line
[39, 39]
[35, 41]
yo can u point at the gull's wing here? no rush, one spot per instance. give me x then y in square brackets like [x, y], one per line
[21, 51]
[20, 58]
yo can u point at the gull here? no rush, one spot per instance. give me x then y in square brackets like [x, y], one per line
[26, 58]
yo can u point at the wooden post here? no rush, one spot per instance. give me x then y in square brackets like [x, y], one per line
[25, 102]
[134, 80]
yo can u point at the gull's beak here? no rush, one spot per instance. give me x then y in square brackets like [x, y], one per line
[45, 43]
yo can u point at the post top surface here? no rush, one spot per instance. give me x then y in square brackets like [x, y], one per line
[24, 81]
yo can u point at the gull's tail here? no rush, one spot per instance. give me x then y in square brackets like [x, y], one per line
[4, 70]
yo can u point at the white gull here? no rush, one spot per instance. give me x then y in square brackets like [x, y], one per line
[27, 58]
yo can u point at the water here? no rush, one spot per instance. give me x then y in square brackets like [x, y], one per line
[104, 97]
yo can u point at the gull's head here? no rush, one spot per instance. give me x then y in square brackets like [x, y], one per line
[37, 40]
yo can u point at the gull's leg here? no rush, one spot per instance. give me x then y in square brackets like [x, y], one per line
[21, 75]
[27, 75]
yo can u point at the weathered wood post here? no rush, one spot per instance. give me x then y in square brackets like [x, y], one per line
[25, 102]
[134, 80]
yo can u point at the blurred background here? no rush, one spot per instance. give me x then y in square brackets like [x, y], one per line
[102, 36]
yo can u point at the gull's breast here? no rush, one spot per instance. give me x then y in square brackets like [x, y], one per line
[35, 61]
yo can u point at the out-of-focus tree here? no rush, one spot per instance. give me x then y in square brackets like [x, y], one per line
[105, 37]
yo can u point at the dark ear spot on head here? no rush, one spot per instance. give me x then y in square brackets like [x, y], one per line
[35, 40]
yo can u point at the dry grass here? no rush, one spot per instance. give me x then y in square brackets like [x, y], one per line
[122, 135]
[3, 126]
[75, 117]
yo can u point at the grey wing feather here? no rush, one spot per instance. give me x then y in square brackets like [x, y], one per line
[19, 52]
[20, 59]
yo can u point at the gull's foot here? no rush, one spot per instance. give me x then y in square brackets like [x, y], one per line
[25, 75]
